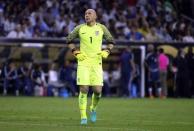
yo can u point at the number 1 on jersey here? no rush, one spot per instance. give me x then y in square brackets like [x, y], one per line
[91, 40]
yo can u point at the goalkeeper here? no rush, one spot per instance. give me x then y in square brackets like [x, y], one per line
[89, 57]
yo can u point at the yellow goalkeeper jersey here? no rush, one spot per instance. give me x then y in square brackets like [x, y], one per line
[91, 38]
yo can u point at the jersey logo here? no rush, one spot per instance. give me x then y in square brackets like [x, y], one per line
[84, 33]
[96, 33]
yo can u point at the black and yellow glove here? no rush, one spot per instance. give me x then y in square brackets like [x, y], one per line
[105, 53]
[78, 55]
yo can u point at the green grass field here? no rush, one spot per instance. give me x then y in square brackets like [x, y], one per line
[58, 114]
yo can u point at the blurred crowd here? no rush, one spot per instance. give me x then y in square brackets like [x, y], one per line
[165, 76]
[33, 79]
[136, 20]
[144, 20]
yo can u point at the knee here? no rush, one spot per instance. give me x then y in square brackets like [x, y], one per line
[98, 91]
[97, 94]
[83, 89]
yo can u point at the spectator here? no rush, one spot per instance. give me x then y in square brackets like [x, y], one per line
[144, 27]
[60, 23]
[115, 79]
[27, 28]
[1, 17]
[53, 81]
[17, 33]
[152, 36]
[127, 71]
[36, 33]
[163, 68]
[135, 88]
[152, 65]
[1, 76]
[165, 36]
[24, 72]
[49, 17]
[190, 61]
[66, 76]
[1, 66]
[9, 24]
[106, 85]
[38, 79]
[182, 75]
[11, 79]
[188, 37]
[134, 35]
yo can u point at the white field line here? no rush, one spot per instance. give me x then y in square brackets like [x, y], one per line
[55, 125]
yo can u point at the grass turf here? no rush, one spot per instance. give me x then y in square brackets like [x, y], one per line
[114, 114]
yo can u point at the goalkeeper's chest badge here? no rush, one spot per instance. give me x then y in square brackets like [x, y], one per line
[96, 33]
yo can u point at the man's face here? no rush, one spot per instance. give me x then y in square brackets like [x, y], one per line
[150, 48]
[90, 16]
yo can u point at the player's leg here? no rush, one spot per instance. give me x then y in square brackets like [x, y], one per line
[5, 86]
[150, 85]
[97, 93]
[97, 90]
[96, 78]
[150, 90]
[162, 83]
[157, 81]
[83, 81]
[83, 103]
[17, 86]
[124, 90]
[159, 91]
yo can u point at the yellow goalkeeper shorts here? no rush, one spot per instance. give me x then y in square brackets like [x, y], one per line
[90, 75]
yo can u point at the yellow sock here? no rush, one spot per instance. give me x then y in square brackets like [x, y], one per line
[83, 105]
[95, 100]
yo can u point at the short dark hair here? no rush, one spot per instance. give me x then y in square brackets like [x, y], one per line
[161, 50]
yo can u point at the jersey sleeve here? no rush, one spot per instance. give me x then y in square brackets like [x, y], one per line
[73, 35]
[107, 35]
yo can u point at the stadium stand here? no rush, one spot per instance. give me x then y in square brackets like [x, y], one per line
[151, 20]
[131, 21]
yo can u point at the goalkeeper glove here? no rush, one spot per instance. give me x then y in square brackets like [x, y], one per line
[78, 55]
[105, 53]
